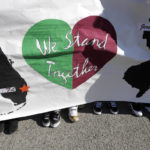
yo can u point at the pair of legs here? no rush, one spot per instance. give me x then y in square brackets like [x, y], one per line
[97, 108]
[9, 126]
[135, 107]
[52, 119]
[137, 110]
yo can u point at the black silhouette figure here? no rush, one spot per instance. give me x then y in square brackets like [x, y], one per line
[9, 77]
[146, 36]
[139, 77]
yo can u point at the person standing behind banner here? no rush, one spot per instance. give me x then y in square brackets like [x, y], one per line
[73, 114]
[136, 109]
[9, 126]
[52, 119]
[97, 108]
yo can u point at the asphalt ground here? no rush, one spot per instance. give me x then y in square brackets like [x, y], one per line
[93, 132]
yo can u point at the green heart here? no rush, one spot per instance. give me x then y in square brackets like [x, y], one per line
[44, 44]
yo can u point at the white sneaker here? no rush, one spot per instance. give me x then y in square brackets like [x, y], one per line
[136, 109]
[73, 114]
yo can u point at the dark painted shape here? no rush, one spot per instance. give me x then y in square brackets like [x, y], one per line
[139, 77]
[9, 77]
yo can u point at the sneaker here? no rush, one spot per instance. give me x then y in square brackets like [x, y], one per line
[147, 107]
[113, 108]
[97, 108]
[73, 114]
[55, 118]
[11, 126]
[46, 120]
[136, 109]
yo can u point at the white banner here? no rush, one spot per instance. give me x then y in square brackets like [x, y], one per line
[57, 54]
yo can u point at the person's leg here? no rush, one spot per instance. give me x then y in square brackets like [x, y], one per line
[46, 119]
[1, 126]
[73, 114]
[51, 119]
[113, 107]
[147, 107]
[136, 109]
[97, 108]
[11, 126]
[55, 118]
[81, 106]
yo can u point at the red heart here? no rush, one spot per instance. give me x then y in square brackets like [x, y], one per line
[95, 44]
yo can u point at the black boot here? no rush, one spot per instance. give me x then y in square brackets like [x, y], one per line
[1, 127]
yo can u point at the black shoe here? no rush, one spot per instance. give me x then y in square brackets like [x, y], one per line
[55, 119]
[113, 108]
[97, 108]
[11, 126]
[136, 109]
[147, 107]
[1, 127]
[46, 120]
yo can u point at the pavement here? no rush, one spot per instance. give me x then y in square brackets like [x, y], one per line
[93, 132]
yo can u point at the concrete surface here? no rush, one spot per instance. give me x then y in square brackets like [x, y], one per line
[104, 132]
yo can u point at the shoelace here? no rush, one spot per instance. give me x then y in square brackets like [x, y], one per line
[99, 104]
[73, 111]
[46, 116]
[113, 104]
[55, 115]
